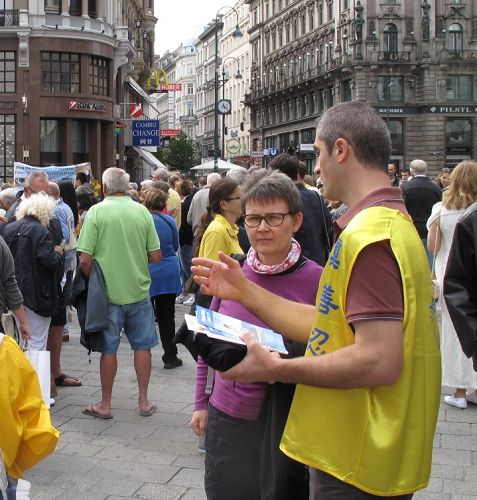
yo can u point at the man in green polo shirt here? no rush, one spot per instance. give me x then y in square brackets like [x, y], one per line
[119, 234]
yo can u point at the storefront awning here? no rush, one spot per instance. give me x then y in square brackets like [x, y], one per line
[138, 90]
[149, 158]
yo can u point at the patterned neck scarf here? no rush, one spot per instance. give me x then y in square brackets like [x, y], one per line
[289, 261]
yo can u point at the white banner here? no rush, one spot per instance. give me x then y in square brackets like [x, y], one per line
[21, 172]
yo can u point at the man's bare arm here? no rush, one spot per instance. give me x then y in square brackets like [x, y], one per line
[226, 280]
[154, 257]
[85, 263]
[374, 359]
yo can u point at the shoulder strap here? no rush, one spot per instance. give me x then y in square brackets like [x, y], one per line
[325, 225]
[167, 222]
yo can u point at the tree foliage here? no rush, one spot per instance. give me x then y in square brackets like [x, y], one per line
[181, 154]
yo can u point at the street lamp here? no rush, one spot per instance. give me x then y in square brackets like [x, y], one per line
[236, 34]
[237, 76]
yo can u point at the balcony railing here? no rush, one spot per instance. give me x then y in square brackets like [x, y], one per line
[8, 18]
[459, 55]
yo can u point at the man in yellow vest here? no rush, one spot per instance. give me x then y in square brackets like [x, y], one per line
[365, 408]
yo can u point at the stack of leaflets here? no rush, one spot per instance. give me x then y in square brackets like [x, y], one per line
[220, 326]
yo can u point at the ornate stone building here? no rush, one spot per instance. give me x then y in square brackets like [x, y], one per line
[66, 69]
[415, 62]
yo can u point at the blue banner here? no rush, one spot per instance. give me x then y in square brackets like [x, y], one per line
[146, 133]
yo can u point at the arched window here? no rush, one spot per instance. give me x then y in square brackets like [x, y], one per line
[456, 38]
[390, 38]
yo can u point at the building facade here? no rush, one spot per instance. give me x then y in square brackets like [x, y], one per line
[415, 62]
[177, 108]
[62, 78]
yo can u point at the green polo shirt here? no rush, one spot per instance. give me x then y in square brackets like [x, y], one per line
[118, 233]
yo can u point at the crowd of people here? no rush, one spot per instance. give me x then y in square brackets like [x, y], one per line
[341, 268]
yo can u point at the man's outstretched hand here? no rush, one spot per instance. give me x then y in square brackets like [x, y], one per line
[223, 279]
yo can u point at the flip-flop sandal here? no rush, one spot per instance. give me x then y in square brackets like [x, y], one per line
[61, 381]
[89, 410]
[149, 412]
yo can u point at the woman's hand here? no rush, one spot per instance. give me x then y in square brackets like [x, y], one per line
[59, 250]
[224, 279]
[25, 331]
[198, 422]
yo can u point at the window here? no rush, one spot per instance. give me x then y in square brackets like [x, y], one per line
[52, 138]
[456, 38]
[80, 141]
[99, 76]
[330, 10]
[190, 89]
[390, 38]
[459, 135]
[7, 146]
[395, 128]
[346, 91]
[389, 89]
[60, 72]
[459, 87]
[7, 71]
[320, 12]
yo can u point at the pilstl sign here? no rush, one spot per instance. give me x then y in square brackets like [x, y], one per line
[171, 132]
[86, 106]
[159, 82]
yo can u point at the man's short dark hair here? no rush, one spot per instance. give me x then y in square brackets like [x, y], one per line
[287, 164]
[82, 177]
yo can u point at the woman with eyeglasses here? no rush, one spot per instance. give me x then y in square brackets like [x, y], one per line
[244, 421]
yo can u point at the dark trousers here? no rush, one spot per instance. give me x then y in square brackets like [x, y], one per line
[323, 486]
[232, 462]
[164, 309]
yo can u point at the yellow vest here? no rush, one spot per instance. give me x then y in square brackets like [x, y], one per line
[378, 439]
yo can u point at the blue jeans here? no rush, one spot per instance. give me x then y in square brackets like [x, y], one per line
[185, 258]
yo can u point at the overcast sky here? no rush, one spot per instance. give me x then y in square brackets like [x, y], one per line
[180, 20]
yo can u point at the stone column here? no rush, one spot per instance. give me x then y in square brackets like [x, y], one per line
[84, 8]
[65, 7]
[99, 10]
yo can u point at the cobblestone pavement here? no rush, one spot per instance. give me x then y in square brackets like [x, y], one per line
[133, 457]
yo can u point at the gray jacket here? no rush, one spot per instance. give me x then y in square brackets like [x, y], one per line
[10, 295]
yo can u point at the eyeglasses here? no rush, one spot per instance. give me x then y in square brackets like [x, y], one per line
[273, 220]
[234, 198]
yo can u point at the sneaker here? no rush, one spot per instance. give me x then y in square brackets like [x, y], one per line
[457, 402]
[180, 298]
[471, 397]
[52, 402]
[190, 300]
[175, 363]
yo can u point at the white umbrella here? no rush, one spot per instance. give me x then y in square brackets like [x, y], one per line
[223, 165]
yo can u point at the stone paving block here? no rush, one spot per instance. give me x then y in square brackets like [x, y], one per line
[435, 484]
[464, 497]
[44, 492]
[190, 461]
[164, 492]
[164, 446]
[82, 495]
[181, 434]
[451, 457]
[470, 473]
[460, 487]
[120, 487]
[156, 457]
[448, 471]
[118, 453]
[457, 428]
[60, 462]
[127, 429]
[189, 477]
[70, 481]
[427, 495]
[74, 437]
[179, 420]
[459, 442]
[456, 415]
[136, 471]
[437, 441]
[82, 449]
[112, 440]
[194, 494]
[88, 425]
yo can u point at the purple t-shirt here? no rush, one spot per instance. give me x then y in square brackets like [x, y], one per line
[244, 400]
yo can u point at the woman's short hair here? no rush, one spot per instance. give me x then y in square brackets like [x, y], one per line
[154, 199]
[266, 186]
[39, 206]
[462, 190]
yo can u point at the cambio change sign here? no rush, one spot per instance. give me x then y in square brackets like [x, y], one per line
[146, 133]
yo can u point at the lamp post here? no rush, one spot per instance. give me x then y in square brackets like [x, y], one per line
[237, 76]
[236, 34]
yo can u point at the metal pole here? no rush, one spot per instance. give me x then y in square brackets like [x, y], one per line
[216, 100]
[223, 116]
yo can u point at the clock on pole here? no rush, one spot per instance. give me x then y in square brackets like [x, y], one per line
[224, 106]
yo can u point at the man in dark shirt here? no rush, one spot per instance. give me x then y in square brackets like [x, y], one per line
[420, 195]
